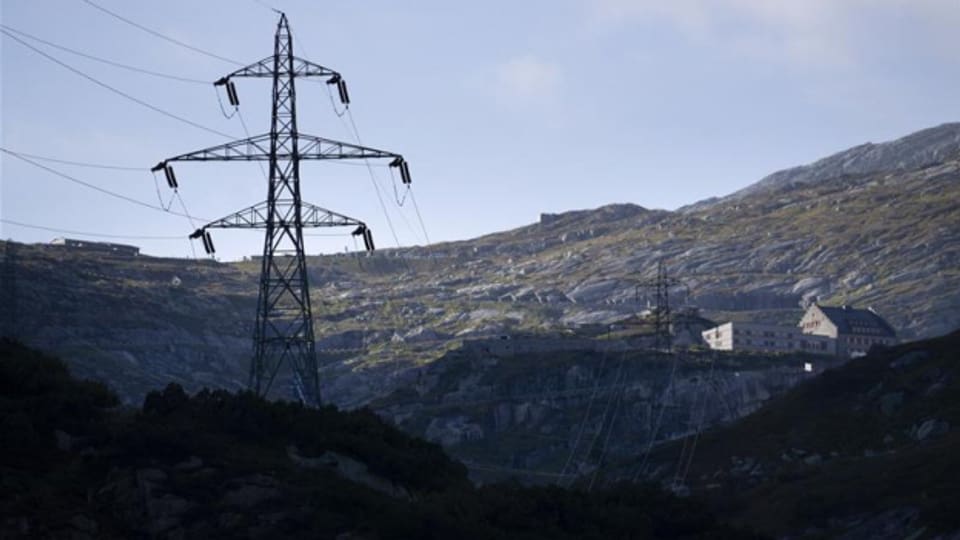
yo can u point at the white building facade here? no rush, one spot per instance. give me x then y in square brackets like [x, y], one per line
[766, 338]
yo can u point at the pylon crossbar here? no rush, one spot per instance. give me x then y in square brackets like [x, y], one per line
[257, 216]
[301, 68]
[258, 149]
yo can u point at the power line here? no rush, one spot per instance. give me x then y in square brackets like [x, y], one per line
[376, 187]
[90, 234]
[679, 479]
[659, 421]
[586, 418]
[266, 6]
[81, 163]
[356, 133]
[159, 35]
[104, 60]
[193, 225]
[416, 208]
[616, 398]
[112, 89]
[91, 186]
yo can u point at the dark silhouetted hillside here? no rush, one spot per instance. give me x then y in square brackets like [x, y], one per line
[222, 465]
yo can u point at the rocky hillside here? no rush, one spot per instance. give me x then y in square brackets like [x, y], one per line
[873, 226]
[136, 323]
[221, 465]
[868, 450]
[557, 417]
[919, 150]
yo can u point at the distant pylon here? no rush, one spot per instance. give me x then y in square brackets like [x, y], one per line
[662, 316]
[284, 327]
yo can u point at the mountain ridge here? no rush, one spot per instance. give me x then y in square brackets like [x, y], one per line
[918, 149]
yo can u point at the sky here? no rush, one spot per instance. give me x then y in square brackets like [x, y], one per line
[503, 109]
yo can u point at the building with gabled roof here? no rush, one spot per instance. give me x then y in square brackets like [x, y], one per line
[856, 330]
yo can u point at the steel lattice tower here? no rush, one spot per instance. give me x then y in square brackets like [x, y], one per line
[283, 332]
[662, 317]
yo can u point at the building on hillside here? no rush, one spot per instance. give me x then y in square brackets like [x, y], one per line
[766, 338]
[856, 330]
[100, 247]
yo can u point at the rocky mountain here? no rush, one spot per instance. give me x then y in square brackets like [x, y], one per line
[874, 226]
[916, 151]
[867, 450]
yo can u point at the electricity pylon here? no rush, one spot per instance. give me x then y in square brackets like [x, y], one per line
[662, 317]
[284, 326]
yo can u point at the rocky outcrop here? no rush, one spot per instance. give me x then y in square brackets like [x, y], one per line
[537, 415]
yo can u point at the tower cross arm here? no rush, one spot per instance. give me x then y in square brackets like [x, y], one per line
[312, 147]
[264, 68]
[257, 217]
[258, 149]
[251, 149]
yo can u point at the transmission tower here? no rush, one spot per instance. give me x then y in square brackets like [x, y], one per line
[662, 317]
[283, 332]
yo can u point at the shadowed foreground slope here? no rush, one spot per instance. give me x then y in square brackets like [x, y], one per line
[868, 450]
[231, 465]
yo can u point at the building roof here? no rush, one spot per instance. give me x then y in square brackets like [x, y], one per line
[93, 244]
[850, 320]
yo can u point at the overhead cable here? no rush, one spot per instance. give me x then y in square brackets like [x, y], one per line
[80, 163]
[159, 35]
[356, 135]
[92, 186]
[104, 60]
[90, 234]
[115, 90]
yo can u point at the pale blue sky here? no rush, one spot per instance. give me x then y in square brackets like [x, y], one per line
[503, 109]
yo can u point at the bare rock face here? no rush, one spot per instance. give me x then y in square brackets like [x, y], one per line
[453, 430]
[916, 151]
[538, 409]
[930, 429]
